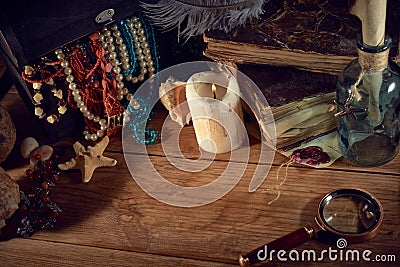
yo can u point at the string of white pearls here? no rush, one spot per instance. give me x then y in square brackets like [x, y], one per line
[79, 102]
[113, 42]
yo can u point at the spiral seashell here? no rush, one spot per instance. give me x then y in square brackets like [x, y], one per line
[172, 94]
[9, 197]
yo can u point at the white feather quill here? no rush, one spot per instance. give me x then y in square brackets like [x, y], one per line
[198, 16]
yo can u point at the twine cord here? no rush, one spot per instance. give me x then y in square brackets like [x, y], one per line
[369, 62]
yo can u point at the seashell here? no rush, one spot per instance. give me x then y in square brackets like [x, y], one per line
[44, 152]
[7, 134]
[27, 146]
[9, 197]
[173, 97]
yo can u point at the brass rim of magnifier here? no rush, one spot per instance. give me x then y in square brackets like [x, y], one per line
[353, 238]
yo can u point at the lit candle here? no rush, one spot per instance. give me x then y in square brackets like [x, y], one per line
[214, 90]
[214, 103]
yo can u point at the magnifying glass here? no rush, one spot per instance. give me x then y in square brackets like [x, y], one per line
[352, 214]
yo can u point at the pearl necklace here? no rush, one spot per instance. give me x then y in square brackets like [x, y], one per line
[114, 40]
[79, 102]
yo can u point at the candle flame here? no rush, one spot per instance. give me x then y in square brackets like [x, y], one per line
[213, 88]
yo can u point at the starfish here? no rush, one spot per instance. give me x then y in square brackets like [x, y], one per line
[88, 159]
[346, 109]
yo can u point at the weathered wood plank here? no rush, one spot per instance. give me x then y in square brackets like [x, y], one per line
[113, 211]
[25, 252]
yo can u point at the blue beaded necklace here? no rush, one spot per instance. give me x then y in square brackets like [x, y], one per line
[140, 117]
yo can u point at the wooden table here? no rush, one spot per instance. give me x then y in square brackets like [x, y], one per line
[112, 222]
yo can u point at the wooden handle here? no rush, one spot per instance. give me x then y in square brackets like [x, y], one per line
[263, 252]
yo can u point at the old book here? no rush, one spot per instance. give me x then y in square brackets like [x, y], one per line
[315, 35]
[301, 101]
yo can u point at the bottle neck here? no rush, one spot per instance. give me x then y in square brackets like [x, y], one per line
[374, 58]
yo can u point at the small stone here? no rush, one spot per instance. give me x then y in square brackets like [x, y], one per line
[51, 119]
[29, 71]
[37, 86]
[50, 81]
[27, 146]
[44, 152]
[38, 97]
[38, 111]
[58, 94]
[62, 109]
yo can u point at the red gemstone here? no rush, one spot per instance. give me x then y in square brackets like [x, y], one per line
[37, 157]
[45, 185]
[45, 198]
[29, 174]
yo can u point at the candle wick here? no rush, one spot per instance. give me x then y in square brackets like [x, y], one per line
[214, 90]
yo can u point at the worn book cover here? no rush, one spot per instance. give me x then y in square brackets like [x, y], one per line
[309, 34]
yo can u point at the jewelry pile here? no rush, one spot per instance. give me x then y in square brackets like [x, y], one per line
[98, 76]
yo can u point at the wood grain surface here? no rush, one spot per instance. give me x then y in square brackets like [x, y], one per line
[111, 221]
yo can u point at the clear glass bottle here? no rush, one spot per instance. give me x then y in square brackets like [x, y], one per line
[368, 100]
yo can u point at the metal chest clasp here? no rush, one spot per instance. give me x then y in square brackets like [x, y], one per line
[105, 16]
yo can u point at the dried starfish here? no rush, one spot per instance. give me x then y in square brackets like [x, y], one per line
[87, 160]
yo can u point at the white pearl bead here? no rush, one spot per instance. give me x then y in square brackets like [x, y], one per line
[100, 133]
[70, 78]
[113, 55]
[80, 104]
[111, 48]
[85, 132]
[143, 64]
[109, 39]
[107, 33]
[117, 70]
[120, 85]
[60, 56]
[120, 96]
[141, 77]
[72, 86]
[119, 40]
[134, 80]
[58, 51]
[125, 60]
[83, 109]
[102, 122]
[87, 136]
[116, 33]
[93, 137]
[114, 27]
[122, 47]
[128, 78]
[125, 66]
[78, 99]
[129, 96]
[64, 63]
[68, 71]
[103, 127]
[152, 69]
[143, 71]
[96, 119]
[125, 90]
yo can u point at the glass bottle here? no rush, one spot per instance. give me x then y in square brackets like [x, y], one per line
[368, 101]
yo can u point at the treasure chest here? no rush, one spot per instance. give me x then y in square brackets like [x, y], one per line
[30, 30]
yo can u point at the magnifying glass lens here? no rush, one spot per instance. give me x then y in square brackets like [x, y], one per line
[350, 213]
